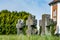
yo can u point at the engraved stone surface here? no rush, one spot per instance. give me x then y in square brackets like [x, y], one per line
[43, 23]
[31, 22]
[19, 26]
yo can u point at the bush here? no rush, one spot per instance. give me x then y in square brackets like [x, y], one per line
[8, 20]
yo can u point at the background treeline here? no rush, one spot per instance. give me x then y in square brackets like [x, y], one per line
[8, 20]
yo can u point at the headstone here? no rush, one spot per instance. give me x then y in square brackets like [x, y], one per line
[19, 26]
[44, 23]
[31, 23]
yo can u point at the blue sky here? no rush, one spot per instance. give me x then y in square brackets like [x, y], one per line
[35, 7]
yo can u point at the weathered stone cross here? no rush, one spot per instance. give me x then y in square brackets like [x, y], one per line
[19, 26]
[31, 22]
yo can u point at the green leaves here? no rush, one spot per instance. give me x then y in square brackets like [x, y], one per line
[8, 21]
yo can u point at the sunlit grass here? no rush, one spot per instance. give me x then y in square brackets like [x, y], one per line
[25, 37]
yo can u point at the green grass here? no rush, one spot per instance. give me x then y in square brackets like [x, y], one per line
[25, 37]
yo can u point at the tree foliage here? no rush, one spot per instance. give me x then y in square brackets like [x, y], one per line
[52, 27]
[8, 20]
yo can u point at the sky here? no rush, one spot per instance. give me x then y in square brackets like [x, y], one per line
[35, 7]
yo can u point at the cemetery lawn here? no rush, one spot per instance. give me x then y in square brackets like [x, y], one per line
[24, 37]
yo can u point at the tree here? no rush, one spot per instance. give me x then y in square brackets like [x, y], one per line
[8, 21]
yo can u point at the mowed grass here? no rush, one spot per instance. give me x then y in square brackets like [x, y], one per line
[25, 37]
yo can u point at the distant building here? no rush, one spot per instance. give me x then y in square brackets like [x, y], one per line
[43, 23]
[55, 14]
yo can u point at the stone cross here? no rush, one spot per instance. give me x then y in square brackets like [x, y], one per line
[19, 26]
[44, 23]
[31, 22]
